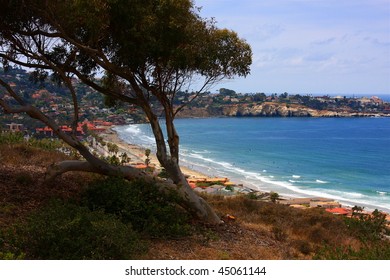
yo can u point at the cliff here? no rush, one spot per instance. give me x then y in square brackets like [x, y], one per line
[271, 109]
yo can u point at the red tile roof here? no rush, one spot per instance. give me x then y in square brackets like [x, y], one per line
[338, 211]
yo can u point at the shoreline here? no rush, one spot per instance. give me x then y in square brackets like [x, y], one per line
[137, 156]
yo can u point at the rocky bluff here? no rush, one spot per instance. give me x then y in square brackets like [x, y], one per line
[271, 109]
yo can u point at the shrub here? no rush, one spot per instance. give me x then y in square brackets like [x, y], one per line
[251, 195]
[303, 246]
[318, 234]
[274, 196]
[10, 138]
[368, 228]
[11, 256]
[6, 250]
[46, 144]
[373, 252]
[67, 231]
[163, 173]
[141, 204]
[278, 233]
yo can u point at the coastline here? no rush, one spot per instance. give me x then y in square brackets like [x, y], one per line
[137, 156]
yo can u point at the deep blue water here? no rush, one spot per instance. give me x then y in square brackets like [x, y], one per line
[347, 159]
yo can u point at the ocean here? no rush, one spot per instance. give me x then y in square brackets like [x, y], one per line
[346, 159]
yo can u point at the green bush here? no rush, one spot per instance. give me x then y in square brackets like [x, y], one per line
[10, 138]
[163, 173]
[373, 252]
[368, 228]
[252, 195]
[47, 144]
[67, 231]
[141, 204]
[6, 250]
[11, 256]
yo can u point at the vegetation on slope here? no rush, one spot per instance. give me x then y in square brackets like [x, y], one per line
[82, 216]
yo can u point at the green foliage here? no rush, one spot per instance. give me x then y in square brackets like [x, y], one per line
[10, 138]
[227, 92]
[163, 173]
[140, 204]
[124, 158]
[366, 227]
[114, 160]
[208, 184]
[369, 230]
[11, 256]
[47, 144]
[380, 251]
[251, 195]
[274, 196]
[147, 154]
[67, 231]
[112, 148]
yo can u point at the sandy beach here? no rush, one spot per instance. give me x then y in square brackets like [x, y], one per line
[137, 154]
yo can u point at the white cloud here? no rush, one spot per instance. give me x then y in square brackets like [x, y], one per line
[306, 45]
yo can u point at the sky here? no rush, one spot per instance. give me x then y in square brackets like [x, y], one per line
[309, 46]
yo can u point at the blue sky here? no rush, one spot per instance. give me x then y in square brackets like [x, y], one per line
[309, 46]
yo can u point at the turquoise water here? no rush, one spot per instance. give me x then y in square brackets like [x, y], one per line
[347, 159]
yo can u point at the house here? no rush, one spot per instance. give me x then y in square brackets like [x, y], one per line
[48, 132]
[325, 204]
[140, 166]
[44, 132]
[217, 180]
[313, 202]
[339, 211]
[15, 127]
[376, 100]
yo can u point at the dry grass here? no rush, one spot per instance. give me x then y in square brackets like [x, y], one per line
[20, 154]
[261, 230]
[22, 186]
[299, 232]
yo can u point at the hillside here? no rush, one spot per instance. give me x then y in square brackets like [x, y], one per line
[54, 100]
[252, 230]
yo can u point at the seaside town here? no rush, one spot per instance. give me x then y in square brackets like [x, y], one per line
[98, 119]
[54, 101]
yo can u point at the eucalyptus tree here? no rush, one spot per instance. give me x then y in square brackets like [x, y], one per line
[134, 51]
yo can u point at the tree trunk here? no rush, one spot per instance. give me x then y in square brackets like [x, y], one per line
[194, 204]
